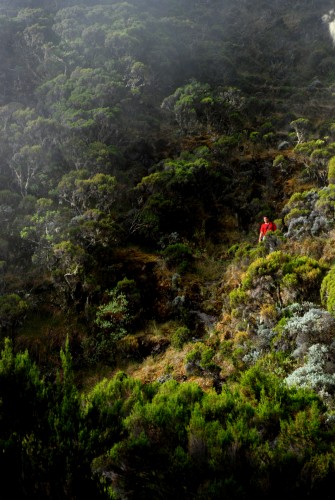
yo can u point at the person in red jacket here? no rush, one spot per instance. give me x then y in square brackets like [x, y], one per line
[265, 227]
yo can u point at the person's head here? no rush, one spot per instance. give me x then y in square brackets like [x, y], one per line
[266, 218]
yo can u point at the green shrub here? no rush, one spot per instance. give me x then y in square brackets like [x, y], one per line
[180, 337]
[13, 310]
[237, 297]
[331, 170]
[178, 255]
[279, 160]
[327, 291]
[113, 317]
[300, 275]
[201, 357]
[295, 213]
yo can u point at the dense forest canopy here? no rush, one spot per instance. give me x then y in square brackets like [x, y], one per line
[150, 347]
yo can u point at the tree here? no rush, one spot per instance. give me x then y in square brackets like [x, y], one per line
[31, 146]
[198, 108]
[301, 126]
[13, 310]
[112, 318]
[43, 229]
[23, 417]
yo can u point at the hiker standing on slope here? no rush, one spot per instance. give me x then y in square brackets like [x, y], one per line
[265, 227]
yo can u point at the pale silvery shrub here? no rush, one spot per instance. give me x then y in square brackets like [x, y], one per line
[179, 301]
[315, 326]
[297, 228]
[175, 281]
[264, 337]
[308, 225]
[297, 308]
[316, 373]
[320, 224]
[261, 345]
[251, 357]
[309, 325]
[317, 217]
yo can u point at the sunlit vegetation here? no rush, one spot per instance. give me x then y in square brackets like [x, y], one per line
[150, 347]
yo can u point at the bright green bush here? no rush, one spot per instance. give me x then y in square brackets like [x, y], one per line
[327, 291]
[325, 202]
[279, 160]
[257, 437]
[331, 170]
[270, 265]
[300, 275]
[237, 297]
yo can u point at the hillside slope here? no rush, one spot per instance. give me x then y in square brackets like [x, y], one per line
[150, 347]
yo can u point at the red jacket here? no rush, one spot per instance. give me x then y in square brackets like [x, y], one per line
[267, 226]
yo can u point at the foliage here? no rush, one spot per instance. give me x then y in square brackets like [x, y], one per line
[315, 372]
[180, 337]
[303, 329]
[200, 359]
[327, 291]
[40, 451]
[178, 255]
[331, 171]
[133, 296]
[112, 317]
[13, 310]
[162, 431]
[310, 213]
[301, 127]
[166, 126]
[197, 108]
[276, 272]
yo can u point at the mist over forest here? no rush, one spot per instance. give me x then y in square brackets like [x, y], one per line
[151, 345]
